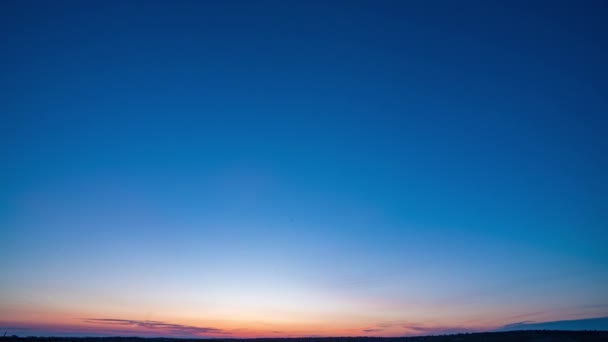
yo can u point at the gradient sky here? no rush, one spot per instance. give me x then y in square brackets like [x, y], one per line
[298, 168]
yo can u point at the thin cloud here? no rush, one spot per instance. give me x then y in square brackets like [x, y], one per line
[169, 328]
[597, 323]
[418, 329]
[517, 324]
[414, 329]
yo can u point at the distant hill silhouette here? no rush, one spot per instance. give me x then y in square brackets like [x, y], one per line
[510, 336]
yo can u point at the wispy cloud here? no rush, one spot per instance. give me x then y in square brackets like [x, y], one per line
[417, 329]
[160, 326]
[598, 323]
[414, 329]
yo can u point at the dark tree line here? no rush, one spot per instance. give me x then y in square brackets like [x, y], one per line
[511, 336]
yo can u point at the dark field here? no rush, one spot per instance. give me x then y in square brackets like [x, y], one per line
[533, 335]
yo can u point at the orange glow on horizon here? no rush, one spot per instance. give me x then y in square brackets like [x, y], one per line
[158, 328]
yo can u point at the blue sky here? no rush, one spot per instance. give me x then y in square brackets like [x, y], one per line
[305, 167]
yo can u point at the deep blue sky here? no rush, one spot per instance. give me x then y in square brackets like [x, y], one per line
[431, 162]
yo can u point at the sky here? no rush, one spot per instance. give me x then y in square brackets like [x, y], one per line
[301, 168]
